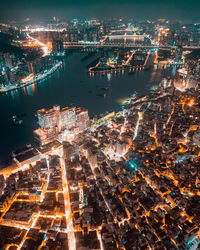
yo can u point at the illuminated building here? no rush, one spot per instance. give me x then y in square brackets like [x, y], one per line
[82, 120]
[8, 60]
[2, 183]
[126, 37]
[185, 81]
[57, 46]
[26, 156]
[67, 150]
[60, 123]
[92, 157]
[121, 147]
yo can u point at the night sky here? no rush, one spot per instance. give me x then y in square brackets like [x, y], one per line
[187, 10]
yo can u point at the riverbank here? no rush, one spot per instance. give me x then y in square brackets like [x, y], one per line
[35, 79]
[130, 64]
[71, 84]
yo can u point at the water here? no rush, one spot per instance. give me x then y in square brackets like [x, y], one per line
[70, 84]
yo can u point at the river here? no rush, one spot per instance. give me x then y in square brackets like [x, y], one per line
[70, 84]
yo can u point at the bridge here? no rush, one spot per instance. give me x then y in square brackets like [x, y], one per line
[80, 45]
[68, 45]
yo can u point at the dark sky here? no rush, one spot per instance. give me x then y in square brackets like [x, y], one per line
[188, 10]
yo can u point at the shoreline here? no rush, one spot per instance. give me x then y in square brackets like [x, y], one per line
[120, 68]
[93, 126]
[6, 150]
[36, 79]
[97, 69]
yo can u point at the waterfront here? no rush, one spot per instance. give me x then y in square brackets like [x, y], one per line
[31, 79]
[70, 84]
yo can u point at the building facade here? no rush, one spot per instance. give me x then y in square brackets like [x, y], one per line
[61, 124]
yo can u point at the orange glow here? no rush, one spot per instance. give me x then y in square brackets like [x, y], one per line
[117, 172]
[181, 149]
[32, 44]
[153, 135]
[166, 32]
[125, 190]
[190, 103]
[49, 45]
[30, 77]
[156, 58]
[170, 132]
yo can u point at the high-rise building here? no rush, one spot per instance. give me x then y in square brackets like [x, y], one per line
[57, 46]
[8, 60]
[61, 124]
[82, 120]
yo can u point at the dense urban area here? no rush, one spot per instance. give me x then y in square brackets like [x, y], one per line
[29, 53]
[125, 180]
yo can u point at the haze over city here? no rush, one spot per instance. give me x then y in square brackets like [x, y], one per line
[139, 9]
[100, 125]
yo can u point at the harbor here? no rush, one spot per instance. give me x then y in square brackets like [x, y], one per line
[65, 87]
[121, 60]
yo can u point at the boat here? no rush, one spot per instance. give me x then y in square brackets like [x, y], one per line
[105, 88]
[16, 120]
[101, 95]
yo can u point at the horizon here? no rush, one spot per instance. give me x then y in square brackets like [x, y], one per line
[36, 10]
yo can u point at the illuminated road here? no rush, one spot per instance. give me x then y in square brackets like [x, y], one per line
[35, 218]
[130, 58]
[140, 115]
[68, 213]
[43, 46]
[41, 29]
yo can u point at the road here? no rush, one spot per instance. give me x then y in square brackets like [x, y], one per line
[68, 45]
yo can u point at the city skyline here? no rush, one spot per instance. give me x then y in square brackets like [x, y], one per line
[100, 125]
[154, 9]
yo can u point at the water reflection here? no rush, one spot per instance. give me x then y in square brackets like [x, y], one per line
[109, 76]
[72, 84]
